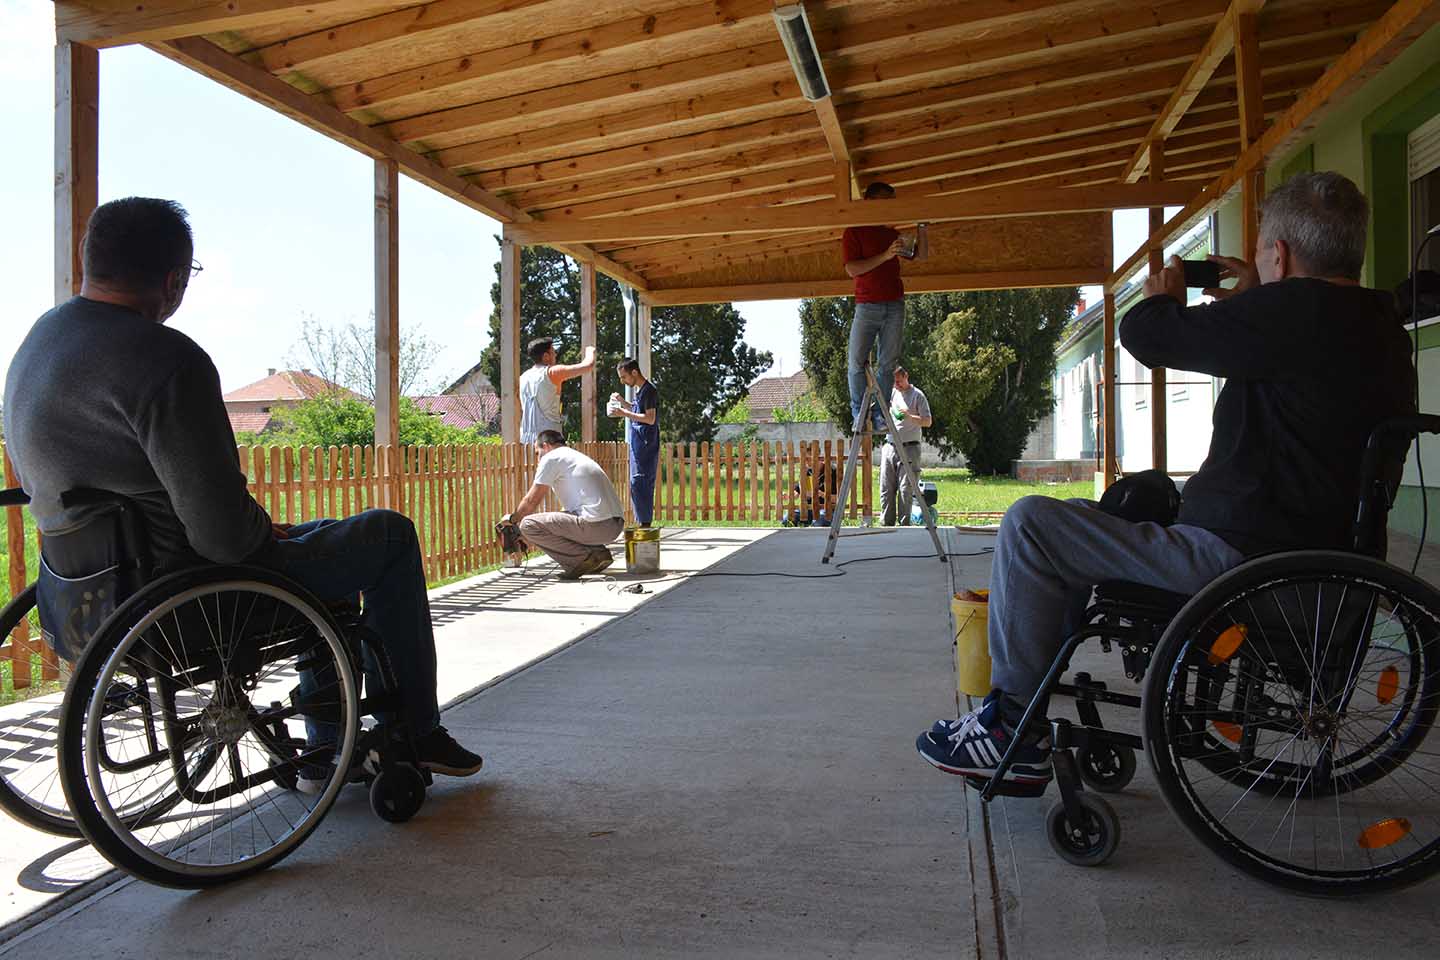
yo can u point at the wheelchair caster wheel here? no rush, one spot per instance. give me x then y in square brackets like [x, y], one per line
[1107, 767]
[397, 793]
[1089, 844]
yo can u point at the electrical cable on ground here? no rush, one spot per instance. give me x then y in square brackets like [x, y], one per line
[794, 576]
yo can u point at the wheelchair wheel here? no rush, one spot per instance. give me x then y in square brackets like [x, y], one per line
[1086, 844]
[1286, 713]
[234, 680]
[397, 793]
[29, 767]
[1107, 767]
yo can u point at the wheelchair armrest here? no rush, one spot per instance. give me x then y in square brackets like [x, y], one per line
[14, 497]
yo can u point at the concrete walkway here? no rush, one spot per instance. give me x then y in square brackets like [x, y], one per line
[485, 628]
[728, 771]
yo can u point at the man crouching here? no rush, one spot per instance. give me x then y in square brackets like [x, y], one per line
[593, 517]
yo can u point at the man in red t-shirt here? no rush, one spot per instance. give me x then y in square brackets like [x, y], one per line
[872, 258]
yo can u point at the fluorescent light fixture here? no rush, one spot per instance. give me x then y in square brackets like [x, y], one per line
[800, 48]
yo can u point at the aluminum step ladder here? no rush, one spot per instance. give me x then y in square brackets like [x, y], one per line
[857, 431]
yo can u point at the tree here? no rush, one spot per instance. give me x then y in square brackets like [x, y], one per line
[345, 420]
[345, 355]
[699, 360]
[984, 358]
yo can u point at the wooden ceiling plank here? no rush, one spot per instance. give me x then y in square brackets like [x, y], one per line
[825, 215]
[810, 174]
[1003, 280]
[1400, 26]
[1197, 76]
[675, 175]
[109, 23]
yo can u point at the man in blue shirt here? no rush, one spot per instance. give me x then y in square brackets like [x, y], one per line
[644, 437]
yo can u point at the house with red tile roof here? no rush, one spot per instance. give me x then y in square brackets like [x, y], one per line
[250, 406]
[770, 393]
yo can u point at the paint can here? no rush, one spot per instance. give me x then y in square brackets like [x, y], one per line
[972, 644]
[642, 549]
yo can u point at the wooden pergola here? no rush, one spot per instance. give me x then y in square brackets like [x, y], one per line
[667, 143]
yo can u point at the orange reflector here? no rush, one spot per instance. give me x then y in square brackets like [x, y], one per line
[1388, 685]
[1226, 644]
[1230, 731]
[1383, 833]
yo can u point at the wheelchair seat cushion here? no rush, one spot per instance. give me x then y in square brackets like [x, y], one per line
[1132, 594]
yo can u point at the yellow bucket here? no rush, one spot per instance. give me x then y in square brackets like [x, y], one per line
[972, 645]
[642, 549]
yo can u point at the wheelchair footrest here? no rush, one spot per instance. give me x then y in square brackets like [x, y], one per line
[1009, 788]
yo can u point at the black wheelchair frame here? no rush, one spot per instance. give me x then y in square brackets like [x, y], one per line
[1138, 618]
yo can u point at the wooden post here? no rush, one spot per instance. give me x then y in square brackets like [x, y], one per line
[1252, 125]
[588, 338]
[77, 158]
[642, 352]
[387, 315]
[509, 341]
[1108, 413]
[1159, 396]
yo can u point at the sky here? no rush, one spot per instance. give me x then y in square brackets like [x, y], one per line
[282, 216]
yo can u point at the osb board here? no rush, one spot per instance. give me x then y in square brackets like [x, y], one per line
[1011, 244]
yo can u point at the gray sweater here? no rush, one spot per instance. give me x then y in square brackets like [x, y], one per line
[97, 396]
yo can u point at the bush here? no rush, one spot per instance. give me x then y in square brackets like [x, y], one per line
[803, 409]
[339, 421]
[739, 412]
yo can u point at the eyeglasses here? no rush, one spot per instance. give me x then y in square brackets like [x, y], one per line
[195, 269]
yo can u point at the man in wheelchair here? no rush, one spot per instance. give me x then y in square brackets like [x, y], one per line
[1312, 362]
[102, 395]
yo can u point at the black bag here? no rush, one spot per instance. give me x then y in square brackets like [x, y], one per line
[85, 574]
[1147, 496]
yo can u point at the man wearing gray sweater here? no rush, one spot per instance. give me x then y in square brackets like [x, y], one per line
[102, 395]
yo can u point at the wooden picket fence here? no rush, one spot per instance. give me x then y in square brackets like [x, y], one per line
[750, 482]
[455, 495]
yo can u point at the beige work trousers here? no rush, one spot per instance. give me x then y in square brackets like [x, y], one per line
[568, 539]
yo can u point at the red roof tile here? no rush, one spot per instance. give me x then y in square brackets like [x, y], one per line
[768, 393]
[287, 385]
[463, 409]
[249, 422]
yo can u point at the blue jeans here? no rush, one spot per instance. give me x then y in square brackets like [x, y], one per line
[376, 554]
[1048, 555]
[884, 322]
[643, 468]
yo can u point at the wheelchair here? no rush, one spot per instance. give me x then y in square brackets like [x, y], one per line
[208, 724]
[1285, 710]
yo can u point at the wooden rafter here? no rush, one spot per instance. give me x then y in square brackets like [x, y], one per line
[1216, 49]
[821, 216]
[108, 23]
[1382, 42]
[206, 58]
[998, 280]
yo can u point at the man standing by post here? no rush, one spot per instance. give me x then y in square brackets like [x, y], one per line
[872, 258]
[593, 514]
[912, 414]
[540, 389]
[644, 437]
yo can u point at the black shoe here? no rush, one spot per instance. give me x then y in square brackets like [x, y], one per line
[438, 752]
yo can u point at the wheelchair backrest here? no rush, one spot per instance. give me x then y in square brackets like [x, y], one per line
[1380, 471]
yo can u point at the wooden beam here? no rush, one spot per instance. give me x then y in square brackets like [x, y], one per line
[737, 187]
[1252, 125]
[1215, 50]
[509, 341]
[387, 307]
[820, 216]
[1110, 416]
[1004, 280]
[204, 57]
[1159, 395]
[1401, 25]
[839, 152]
[108, 23]
[77, 158]
[588, 338]
[643, 354]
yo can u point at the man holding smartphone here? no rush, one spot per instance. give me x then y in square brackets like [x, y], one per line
[1313, 362]
[872, 258]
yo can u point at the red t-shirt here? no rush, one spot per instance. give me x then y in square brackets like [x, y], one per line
[882, 283]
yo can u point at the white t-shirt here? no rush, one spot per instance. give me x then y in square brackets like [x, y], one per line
[539, 404]
[583, 488]
[912, 399]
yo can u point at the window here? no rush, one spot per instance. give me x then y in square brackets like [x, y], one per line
[1423, 155]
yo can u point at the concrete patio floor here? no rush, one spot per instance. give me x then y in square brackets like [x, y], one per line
[728, 771]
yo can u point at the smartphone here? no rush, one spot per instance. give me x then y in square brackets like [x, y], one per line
[1201, 274]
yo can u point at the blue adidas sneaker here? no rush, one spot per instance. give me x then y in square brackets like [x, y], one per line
[973, 744]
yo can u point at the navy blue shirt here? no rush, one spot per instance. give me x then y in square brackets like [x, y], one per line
[645, 437]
